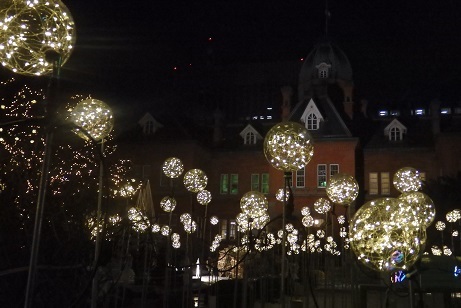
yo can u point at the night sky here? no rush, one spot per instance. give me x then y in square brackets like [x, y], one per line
[396, 48]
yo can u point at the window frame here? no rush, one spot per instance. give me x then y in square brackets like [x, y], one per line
[321, 174]
[233, 181]
[265, 183]
[373, 185]
[300, 178]
[224, 184]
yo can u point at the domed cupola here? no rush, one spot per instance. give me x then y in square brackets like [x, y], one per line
[325, 64]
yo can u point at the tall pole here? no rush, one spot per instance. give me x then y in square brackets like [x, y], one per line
[97, 246]
[53, 86]
[287, 175]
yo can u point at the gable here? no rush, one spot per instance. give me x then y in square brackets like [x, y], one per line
[250, 129]
[395, 124]
[311, 108]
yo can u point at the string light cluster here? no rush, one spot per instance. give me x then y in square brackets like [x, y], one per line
[342, 188]
[31, 29]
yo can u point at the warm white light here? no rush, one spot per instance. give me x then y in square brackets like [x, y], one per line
[93, 119]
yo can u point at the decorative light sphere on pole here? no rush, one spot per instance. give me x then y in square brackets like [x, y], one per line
[342, 189]
[407, 179]
[281, 193]
[32, 29]
[288, 146]
[204, 197]
[173, 167]
[322, 206]
[386, 235]
[195, 180]
[93, 118]
[254, 204]
[423, 206]
[168, 204]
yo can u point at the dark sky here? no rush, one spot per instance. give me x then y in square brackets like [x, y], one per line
[396, 48]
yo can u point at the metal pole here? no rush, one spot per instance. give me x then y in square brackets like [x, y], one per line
[287, 175]
[97, 246]
[53, 86]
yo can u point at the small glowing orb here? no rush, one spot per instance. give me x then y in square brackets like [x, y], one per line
[308, 221]
[165, 230]
[407, 179]
[254, 204]
[175, 237]
[214, 220]
[341, 219]
[322, 206]
[305, 211]
[281, 193]
[436, 251]
[173, 167]
[93, 119]
[288, 146]
[451, 216]
[190, 226]
[185, 217]
[320, 233]
[385, 235]
[195, 180]
[204, 197]
[440, 225]
[422, 205]
[30, 31]
[243, 221]
[168, 204]
[342, 189]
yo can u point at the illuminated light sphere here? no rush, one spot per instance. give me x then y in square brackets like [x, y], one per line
[305, 211]
[214, 220]
[422, 205]
[440, 225]
[320, 233]
[292, 238]
[281, 193]
[288, 146]
[190, 227]
[93, 118]
[385, 235]
[195, 180]
[168, 204]
[173, 167]
[260, 222]
[342, 189]
[243, 221]
[289, 227]
[176, 244]
[165, 230]
[341, 219]
[175, 237]
[436, 251]
[155, 228]
[185, 217]
[456, 213]
[204, 197]
[451, 216]
[31, 31]
[308, 221]
[407, 179]
[447, 251]
[322, 206]
[254, 204]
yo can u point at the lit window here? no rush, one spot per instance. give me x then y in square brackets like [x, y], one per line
[385, 183]
[395, 134]
[419, 112]
[445, 111]
[312, 122]
[269, 117]
[383, 113]
[224, 228]
[395, 113]
[234, 182]
[232, 229]
[265, 183]
[322, 176]
[300, 176]
[334, 168]
[250, 138]
[255, 182]
[323, 70]
[224, 184]
[373, 189]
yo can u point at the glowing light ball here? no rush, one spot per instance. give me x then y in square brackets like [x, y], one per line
[168, 204]
[288, 146]
[440, 225]
[342, 189]
[243, 221]
[308, 221]
[281, 193]
[341, 219]
[322, 206]
[195, 180]
[214, 220]
[385, 235]
[451, 216]
[422, 205]
[190, 227]
[204, 197]
[305, 211]
[185, 217]
[173, 167]
[93, 118]
[165, 230]
[254, 204]
[32, 29]
[407, 179]
[261, 221]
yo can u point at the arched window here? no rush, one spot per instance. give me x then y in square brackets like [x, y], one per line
[312, 122]
[250, 138]
[395, 134]
[149, 128]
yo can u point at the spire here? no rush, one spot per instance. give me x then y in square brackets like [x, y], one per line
[327, 17]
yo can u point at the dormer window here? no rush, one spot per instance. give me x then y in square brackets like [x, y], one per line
[323, 70]
[149, 125]
[250, 135]
[148, 128]
[312, 122]
[395, 130]
[250, 138]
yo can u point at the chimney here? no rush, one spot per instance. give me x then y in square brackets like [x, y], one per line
[287, 93]
[348, 104]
